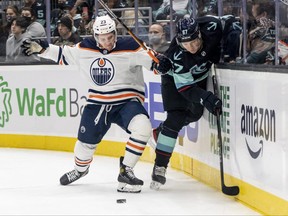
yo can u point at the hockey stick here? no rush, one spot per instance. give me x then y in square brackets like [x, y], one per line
[140, 42]
[228, 190]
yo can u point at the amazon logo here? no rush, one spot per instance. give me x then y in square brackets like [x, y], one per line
[259, 126]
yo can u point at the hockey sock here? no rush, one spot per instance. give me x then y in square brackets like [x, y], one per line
[83, 155]
[165, 146]
[140, 128]
[133, 151]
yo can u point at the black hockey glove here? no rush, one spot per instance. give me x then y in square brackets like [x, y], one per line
[164, 65]
[34, 47]
[211, 102]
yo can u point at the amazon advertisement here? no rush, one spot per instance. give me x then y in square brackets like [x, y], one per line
[257, 127]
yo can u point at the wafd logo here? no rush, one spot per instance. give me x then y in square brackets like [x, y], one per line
[5, 105]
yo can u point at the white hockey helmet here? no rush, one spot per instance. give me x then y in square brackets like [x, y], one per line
[104, 25]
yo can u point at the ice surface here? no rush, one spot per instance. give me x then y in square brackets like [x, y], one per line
[29, 185]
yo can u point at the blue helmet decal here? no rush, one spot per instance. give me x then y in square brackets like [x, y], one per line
[187, 30]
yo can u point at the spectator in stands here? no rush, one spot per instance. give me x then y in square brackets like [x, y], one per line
[5, 29]
[155, 4]
[283, 41]
[13, 45]
[262, 37]
[208, 7]
[232, 31]
[128, 17]
[68, 7]
[251, 22]
[40, 10]
[157, 38]
[56, 14]
[74, 9]
[67, 37]
[180, 8]
[3, 38]
[85, 25]
[89, 26]
[12, 11]
[35, 29]
[74, 29]
[283, 51]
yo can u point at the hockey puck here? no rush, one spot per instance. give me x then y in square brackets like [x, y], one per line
[121, 200]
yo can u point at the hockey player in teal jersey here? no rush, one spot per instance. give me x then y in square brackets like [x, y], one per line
[194, 49]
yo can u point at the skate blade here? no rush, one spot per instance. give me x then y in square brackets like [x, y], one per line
[155, 185]
[126, 188]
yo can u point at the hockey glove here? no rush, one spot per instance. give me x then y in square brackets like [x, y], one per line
[164, 65]
[34, 47]
[211, 102]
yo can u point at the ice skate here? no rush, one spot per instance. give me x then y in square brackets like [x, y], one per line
[128, 182]
[72, 176]
[158, 177]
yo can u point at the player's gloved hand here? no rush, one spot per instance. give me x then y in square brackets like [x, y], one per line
[34, 47]
[164, 65]
[211, 102]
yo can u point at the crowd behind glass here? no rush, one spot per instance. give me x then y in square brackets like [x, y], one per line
[254, 31]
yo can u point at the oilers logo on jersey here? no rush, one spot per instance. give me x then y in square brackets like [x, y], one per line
[102, 71]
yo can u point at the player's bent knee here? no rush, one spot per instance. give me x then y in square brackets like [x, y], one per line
[140, 127]
[84, 150]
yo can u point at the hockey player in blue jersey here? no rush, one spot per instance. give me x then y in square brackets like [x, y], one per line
[194, 49]
[113, 68]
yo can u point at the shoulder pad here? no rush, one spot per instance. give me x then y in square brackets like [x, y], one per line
[209, 23]
[126, 43]
[89, 43]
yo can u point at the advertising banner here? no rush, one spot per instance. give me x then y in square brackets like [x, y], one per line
[49, 99]
[258, 123]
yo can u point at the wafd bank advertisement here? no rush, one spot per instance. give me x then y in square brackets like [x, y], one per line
[49, 100]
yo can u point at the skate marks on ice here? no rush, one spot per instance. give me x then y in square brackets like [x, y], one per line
[29, 185]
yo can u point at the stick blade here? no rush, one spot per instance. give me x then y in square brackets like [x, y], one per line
[231, 191]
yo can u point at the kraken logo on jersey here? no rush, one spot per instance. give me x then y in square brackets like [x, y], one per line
[199, 69]
[102, 71]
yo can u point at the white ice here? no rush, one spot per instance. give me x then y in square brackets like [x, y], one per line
[29, 185]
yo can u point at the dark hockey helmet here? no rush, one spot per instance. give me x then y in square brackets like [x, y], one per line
[187, 29]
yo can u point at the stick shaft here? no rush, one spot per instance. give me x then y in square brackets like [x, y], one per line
[232, 190]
